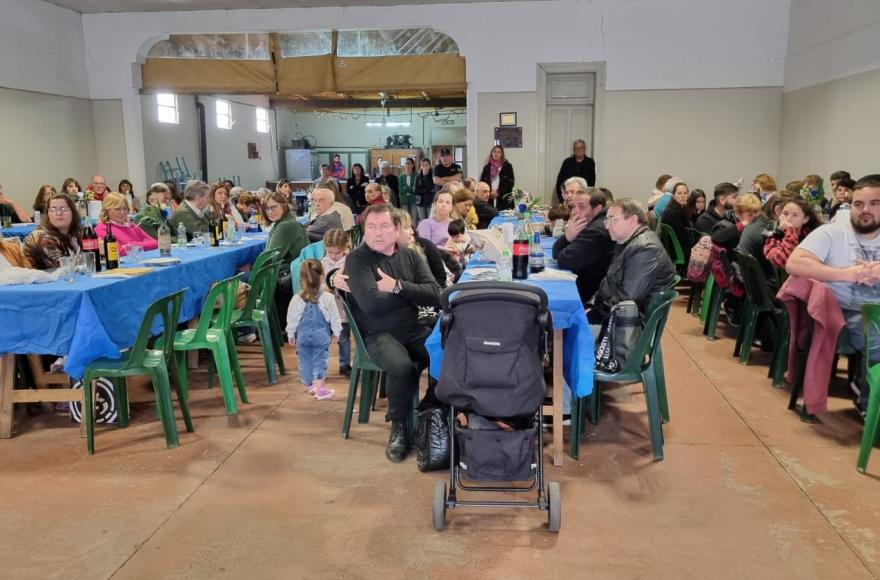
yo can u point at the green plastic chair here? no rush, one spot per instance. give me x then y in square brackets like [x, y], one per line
[673, 246]
[274, 321]
[264, 258]
[356, 234]
[871, 434]
[256, 314]
[640, 367]
[140, 360]
[715, 300]
[759, 299]
[214, 333]
[364, 371]
[695, 298]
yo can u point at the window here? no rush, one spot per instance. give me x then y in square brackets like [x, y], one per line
[167, 107]
[224, 115]
[262, 120]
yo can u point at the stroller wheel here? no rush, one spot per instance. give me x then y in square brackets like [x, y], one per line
[554, 500]
[439, 505]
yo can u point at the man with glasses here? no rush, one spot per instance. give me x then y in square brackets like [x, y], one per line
[640, 267]
[98, 187]
[388, 284]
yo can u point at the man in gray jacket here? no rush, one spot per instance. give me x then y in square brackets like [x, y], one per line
[326, 217]
[640, 267]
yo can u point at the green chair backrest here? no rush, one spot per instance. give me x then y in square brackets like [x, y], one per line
[261, 284]
[314, 251]
[652, 331]
[672, 245]
[356, 234]
[871, 322]
[168, 307]
[754, 281]
[361, 355]
[264, 257]
[675, 280]
[226, 289]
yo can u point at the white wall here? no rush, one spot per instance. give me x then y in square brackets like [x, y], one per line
[110, 143]
[524, 160]
[832, 126]
[227, 148]
[703, 136]
[646, 44]
[45, 139]
[42, 49]
[831, 40]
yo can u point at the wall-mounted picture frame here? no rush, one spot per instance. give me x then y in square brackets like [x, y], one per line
[507, 119]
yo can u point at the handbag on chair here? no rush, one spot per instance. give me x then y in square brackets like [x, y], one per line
[618, 336]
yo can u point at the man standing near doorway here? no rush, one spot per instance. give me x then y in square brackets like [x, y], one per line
[446, 171]
[388, 284]
[578, 165]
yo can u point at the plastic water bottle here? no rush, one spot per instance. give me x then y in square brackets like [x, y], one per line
[37, 217]
[181, 236]
[164, 237]
[536, 255]
[505, 267]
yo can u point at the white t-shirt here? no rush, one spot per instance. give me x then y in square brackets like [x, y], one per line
[837, 245]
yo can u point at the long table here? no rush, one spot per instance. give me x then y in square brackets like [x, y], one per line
[96, 317]
[571, 336]
[20, 231]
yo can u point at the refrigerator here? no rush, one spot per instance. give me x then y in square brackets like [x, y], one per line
[301, 165]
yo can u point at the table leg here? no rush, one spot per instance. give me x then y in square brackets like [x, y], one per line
[7, 376]
[557, 397]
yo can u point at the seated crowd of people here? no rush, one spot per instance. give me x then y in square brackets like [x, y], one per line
[414, 230]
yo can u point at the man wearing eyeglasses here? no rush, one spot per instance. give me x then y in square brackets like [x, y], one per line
[191, 213]
[98, 187]
[640, 267]
[388, 284]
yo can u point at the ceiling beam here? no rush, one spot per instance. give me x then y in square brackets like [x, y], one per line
[310, 104]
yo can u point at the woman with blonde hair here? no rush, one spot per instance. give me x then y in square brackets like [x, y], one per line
[114, 217]
[463, 208]
[433, 255]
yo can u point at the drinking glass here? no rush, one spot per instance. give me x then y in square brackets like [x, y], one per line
[199, 239]
[134, 253]
[7, 221]
[66, 267]
[85, 263]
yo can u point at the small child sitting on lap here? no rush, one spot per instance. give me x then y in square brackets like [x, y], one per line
[312, 324]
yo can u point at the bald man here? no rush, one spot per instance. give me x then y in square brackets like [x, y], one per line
[326, 218]
[98, 187]
[485, 212]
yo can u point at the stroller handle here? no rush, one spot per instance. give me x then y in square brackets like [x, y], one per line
[508, 286]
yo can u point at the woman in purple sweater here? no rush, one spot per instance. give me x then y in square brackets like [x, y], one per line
[436, 227]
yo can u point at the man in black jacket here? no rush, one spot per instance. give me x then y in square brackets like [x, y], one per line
[640, 267]
[485, 212]
[719, 208]
[388, 284]
[586, 248]
[578, 165]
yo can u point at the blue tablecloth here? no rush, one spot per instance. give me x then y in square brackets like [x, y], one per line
[94, 318]
[568, 314]
[510, 219]
[20, 231]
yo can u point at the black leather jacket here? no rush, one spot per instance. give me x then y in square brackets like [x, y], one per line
[639, 270]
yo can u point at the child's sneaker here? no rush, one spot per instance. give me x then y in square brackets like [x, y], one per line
[310, 389]
[324, 393]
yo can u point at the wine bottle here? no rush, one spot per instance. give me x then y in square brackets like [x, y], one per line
[90, 242]
[111, 249]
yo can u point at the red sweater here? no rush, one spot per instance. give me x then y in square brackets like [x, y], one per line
[777, 250]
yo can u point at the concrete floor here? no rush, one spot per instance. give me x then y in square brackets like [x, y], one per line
[746, 491]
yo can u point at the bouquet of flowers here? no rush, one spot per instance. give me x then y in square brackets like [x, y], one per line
[522, 200]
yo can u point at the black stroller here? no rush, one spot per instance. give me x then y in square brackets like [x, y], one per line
[495, 336]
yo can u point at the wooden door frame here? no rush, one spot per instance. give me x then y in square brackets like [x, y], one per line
[544, 69]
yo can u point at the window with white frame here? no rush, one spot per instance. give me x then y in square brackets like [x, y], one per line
[262, 120]
[166, 104]
[224, 115]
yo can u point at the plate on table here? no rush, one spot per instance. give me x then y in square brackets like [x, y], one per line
[163, 261]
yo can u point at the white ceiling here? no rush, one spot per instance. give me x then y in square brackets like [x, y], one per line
[101, 6]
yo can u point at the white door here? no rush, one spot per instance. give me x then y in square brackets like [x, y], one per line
[565, 124]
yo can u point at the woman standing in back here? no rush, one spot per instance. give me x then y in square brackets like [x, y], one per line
[356, 186]
[498, 173]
